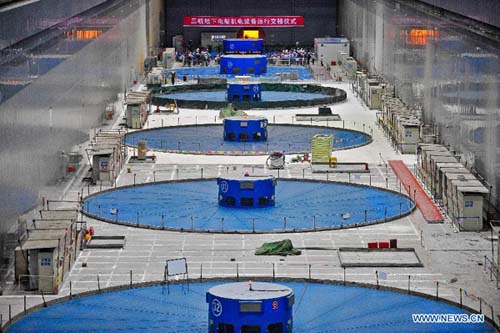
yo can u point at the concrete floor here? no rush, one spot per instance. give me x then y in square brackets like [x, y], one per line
[452, 259]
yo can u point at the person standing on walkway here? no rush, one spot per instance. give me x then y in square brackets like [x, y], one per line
[172, 77]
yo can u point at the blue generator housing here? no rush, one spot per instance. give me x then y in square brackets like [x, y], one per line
[242, 46]
[258, 307]
[243, 64]
[244, 92]
[245, 129]
[247, 192]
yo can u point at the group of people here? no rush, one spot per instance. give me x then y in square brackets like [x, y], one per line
[203, 57]
[293, 56]
[198, 57]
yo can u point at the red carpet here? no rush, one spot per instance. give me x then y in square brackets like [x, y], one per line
[430, 212]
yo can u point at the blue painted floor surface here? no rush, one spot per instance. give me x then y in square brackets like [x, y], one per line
[318, 308]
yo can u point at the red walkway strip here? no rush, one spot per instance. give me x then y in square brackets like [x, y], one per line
[430, 212]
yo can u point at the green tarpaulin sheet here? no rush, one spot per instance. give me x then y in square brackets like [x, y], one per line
[281, 248]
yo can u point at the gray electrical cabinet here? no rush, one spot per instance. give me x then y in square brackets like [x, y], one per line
[46, 264]
[101, 165]
[168, 57]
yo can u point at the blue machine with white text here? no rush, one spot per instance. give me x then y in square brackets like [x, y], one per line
[247, 192]
[243, 46]
[245, 128]
[253, 307]
[244, 91]
[243, 56]
[241, 64]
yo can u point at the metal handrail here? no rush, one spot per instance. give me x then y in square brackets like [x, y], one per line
[380, 280]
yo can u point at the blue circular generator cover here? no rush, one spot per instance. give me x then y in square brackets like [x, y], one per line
[209, 139]
[324, 308]
[220, 96]
[300, 205]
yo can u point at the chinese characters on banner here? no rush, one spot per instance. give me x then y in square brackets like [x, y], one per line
[244, 21]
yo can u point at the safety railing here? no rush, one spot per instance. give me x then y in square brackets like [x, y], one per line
[288, 223]
[386, 179]
[275, 78]
[296, 62]
[173, 120]
[279, 61]
[361, 134]
[411, 284]
[493, 269]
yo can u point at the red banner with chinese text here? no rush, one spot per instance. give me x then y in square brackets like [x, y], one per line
[244, 21]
